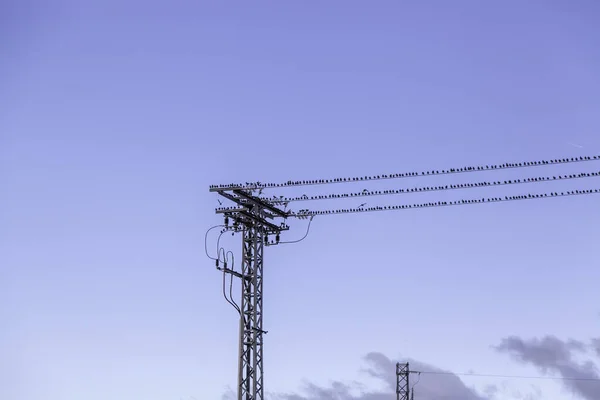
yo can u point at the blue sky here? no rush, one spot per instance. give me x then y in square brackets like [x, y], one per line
[117, 116]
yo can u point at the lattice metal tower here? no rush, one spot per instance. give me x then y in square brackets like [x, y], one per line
[253, 216]
[402, 388]
[250, 217]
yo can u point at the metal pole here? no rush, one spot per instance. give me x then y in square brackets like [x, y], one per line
[258, 313]
[251, 341]
[241, 351]
[407, 381]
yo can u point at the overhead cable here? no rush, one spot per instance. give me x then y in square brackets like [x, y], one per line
[525, 164]
[308, 213]
[559, 378]
[365, 193]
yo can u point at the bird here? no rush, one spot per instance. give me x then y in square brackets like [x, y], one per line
[220, 202]
[362, 205]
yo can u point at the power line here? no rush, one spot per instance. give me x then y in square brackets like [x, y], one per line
[526, 164]
[557, 378]
[308, 213]
[256, 219]
[366, 193]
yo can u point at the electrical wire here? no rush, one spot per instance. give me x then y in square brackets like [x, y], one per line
[218, 242]
[303, 237]
[221, 251]
[387, 192]
[415, 384]
[306, 213]
[236, 306]
[206, 240]
[232, 302]
[525, 164]
[556, 378]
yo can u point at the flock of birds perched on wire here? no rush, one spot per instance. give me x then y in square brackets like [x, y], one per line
[306, 213]
[526, 164]
[283, 200]
[276, 201]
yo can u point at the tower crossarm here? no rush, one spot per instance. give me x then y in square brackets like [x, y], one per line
[261, 203]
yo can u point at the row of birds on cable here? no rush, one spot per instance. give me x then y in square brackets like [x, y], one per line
[365, 192]
[260, 185]
[305, 213]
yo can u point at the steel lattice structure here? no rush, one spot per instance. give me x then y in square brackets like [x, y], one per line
[255, 218]
[251, 338]
[402, 388]
[251, 218]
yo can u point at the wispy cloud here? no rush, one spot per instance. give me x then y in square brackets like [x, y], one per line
[551, 355]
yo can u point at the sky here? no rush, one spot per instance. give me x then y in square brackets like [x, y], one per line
[117, 116]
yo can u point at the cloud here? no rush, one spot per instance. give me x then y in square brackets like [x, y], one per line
[596, 346]
[380, 367]
[551, 355]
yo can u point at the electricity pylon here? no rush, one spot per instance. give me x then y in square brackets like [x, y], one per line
[250, 217]
[402, 388]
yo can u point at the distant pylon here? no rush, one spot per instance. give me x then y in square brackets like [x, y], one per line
[402, 387]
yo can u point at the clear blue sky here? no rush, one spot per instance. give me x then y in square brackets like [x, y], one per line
[116, 116]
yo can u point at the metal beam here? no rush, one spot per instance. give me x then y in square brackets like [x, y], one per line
[231, 210]
[222, 188]
[261, 221]
[232, 198]
[262, 204]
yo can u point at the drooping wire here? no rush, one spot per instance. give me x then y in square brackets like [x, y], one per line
[206, 240]
[230, 301]
[412, 392]
[387, 192]
[222, 256]
[231, 283]
[525, 164]
[307, 213]
[557, 378]
[218, 242]
[303, 237]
